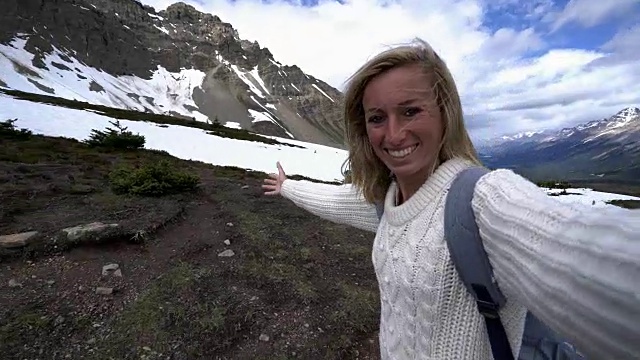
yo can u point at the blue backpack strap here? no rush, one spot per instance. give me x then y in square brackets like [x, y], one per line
[470, 259]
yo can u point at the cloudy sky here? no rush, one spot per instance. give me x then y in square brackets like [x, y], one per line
[520, 65]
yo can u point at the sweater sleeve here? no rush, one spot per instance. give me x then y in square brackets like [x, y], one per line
[575, 267]
[342, 204]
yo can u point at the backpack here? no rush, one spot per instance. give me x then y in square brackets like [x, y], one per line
[539, 342]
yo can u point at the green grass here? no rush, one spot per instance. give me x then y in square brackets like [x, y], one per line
[186, 304]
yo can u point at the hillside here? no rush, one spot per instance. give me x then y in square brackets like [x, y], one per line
[220, 272]
[114, 253]
[176, 61]
[605, 150]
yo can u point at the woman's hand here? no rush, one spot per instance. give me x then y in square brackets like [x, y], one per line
[273, 184]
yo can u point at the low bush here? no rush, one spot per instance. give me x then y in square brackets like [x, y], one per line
[627, 204]
[118, 138]
[554, 184]
[153, 179]
[9, 131]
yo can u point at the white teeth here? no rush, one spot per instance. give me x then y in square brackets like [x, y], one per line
[402, 153]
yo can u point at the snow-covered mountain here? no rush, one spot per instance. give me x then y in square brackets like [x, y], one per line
[606, 148]
[178, 61]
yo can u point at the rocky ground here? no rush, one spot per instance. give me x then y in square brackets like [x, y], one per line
[219, 273]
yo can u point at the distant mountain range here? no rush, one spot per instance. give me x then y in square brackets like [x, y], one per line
[178, 61]
[606, 149]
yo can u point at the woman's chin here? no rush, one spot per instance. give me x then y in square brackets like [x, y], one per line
[410, 172]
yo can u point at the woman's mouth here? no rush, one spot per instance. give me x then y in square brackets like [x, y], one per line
[401, 153]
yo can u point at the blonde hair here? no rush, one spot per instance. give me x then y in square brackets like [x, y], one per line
[362, 167]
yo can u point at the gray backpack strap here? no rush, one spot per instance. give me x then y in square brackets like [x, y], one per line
[470, 259]
[463, 238]
[380, 209]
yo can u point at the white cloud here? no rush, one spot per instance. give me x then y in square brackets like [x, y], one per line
[510, 80]
[590, 13]
[626, 42]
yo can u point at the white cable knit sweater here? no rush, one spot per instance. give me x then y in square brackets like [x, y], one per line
[576, 268]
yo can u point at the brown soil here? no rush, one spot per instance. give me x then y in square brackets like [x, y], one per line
[306, 284]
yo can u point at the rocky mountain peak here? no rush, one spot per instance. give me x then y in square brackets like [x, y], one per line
[177, 61]
[628, 114]
[183, 12]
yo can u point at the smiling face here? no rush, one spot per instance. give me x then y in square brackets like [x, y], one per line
[403, 122]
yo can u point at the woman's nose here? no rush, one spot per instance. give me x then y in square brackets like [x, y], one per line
[395, 130]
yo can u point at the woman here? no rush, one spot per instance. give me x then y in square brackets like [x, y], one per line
[577, 270]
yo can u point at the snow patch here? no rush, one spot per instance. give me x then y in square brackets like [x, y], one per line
[589, 197]
[260, 116]
[246, 80]
[314, 161]
[233, 125]
[256, 76]
[163, 29]
[266, 116]
[275, 63]
[323, 93]
[164, 93]
[295, 87]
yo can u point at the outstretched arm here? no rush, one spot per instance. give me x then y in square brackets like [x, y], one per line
[342, 204]
[576, 268]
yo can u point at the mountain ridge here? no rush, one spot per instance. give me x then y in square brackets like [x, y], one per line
[124, 53]
[607, 148]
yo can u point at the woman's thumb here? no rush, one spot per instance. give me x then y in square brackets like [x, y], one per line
[280, 168]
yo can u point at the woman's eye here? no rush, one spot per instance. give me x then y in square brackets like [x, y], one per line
[412, 111]
[374, 119]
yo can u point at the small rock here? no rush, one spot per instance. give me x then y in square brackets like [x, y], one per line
[245, 187]
[17, 240]
[59, 321]
[51, 282]
[264, 337]
[13, 283]
[227, 242]
[111, 269]
[227, 253]
[146, 348]
[230, 224]
[104, 291]
[91, 341]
